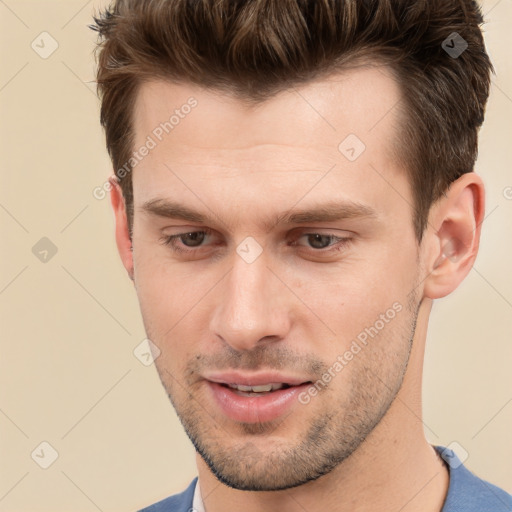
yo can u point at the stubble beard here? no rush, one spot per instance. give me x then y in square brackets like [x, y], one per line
[243, 456]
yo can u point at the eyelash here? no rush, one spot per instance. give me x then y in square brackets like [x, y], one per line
[171, 240]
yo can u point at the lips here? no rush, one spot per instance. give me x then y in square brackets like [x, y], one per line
[255, 390]
[255, 398]
[256, 379]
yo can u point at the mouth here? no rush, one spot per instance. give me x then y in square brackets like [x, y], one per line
[261, 390]
[255, 398]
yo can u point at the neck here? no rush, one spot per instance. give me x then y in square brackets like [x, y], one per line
[394, 469]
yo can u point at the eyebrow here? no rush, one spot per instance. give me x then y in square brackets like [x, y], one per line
[330, 211]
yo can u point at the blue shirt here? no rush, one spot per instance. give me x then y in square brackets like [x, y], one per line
[466, 492]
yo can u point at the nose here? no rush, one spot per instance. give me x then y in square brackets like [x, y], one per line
[253, 306]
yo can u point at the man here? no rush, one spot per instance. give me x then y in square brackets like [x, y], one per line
[294, 187]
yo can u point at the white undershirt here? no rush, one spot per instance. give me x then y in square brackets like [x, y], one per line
[197, 502]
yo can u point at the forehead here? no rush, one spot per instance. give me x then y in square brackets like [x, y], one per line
[222, 148]
[358, 100]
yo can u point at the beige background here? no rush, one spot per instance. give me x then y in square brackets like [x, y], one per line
[69, 326]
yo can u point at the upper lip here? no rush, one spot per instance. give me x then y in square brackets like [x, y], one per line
[255, 379]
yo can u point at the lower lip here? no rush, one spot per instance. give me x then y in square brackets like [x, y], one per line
[255, 409]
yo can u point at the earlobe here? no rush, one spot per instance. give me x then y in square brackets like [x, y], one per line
[454, 246]
[123, 240]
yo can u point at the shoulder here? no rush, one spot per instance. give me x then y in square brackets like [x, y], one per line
[469, 493]
[178, 503]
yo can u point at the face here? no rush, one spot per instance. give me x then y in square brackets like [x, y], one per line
[275, 264]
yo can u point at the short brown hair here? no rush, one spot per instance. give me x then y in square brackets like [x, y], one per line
[256, 48]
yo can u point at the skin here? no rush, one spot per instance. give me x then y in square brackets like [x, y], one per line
[359, 444]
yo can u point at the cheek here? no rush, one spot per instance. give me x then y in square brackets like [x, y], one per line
[364, 300]
[161, 297]
[172, 301]
[163, 286]
[390, 272]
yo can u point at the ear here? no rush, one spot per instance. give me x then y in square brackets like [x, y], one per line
[453, 235]
[124, 243]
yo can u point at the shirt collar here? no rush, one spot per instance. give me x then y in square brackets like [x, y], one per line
[197, 502]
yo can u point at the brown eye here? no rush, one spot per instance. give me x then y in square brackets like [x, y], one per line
[318, 241]
[186, 242]
[195, 238]
[322, 242]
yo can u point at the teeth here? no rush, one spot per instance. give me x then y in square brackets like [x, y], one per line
[264, 388]
[261, 389]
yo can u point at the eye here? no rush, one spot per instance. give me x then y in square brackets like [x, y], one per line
[190, 240]
[318, 241]
[320, 244]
